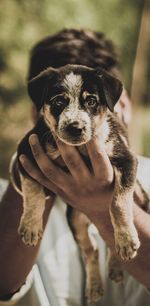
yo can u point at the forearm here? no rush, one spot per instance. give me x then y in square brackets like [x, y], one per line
[16, 259]
[139, 267]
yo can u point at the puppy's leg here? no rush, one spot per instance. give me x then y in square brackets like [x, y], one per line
[115, 268]
[79, 224]
[121, 211]
[141, 197]
[31, 224]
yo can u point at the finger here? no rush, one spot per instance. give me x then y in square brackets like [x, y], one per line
[73, 161]
[36, 174]
[100, 162]
[52, 172]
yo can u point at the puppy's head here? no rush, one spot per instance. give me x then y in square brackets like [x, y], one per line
[74, 100]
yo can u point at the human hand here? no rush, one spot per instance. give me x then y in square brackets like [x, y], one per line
[89, 192]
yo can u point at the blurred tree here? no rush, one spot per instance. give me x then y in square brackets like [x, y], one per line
[141, 80]
[24, 22]
[141, 84]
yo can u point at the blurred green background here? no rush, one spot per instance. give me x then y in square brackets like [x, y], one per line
[23, 23]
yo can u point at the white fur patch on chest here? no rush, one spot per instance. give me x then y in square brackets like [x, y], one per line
[73, 83]
[109, 148]
[102, 131]
[103, 135]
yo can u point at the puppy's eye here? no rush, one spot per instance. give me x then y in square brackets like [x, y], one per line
[59, 101]
[58, 104]
[91, 101]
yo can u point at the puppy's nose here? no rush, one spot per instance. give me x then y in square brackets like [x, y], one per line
[75, 128]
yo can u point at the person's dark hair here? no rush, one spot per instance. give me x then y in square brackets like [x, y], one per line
[71, 46]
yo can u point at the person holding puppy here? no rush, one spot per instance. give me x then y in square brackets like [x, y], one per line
[58, 276]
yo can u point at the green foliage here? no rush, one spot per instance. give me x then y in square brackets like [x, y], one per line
[24, 22]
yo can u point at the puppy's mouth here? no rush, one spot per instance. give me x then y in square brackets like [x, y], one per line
[73, 135]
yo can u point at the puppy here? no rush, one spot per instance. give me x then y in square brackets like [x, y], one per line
[76, 104]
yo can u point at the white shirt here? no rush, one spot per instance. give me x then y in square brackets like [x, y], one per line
[57, 279]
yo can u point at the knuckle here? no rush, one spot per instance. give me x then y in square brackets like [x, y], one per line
[48, 172]
[107, 182]
[68, 157]
[73, 163]
[96, 154]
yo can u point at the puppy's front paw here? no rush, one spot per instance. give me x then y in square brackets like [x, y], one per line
[127, 245]
[30, 234]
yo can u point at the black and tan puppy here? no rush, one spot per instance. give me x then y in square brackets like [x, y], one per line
[76, 104]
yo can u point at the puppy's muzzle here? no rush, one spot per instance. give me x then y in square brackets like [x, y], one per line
[75, 129]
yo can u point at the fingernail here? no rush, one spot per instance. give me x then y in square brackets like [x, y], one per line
[33, 139]
[22, 158]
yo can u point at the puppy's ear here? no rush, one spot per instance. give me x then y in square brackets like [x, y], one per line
[112, 88]
[39, 85]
